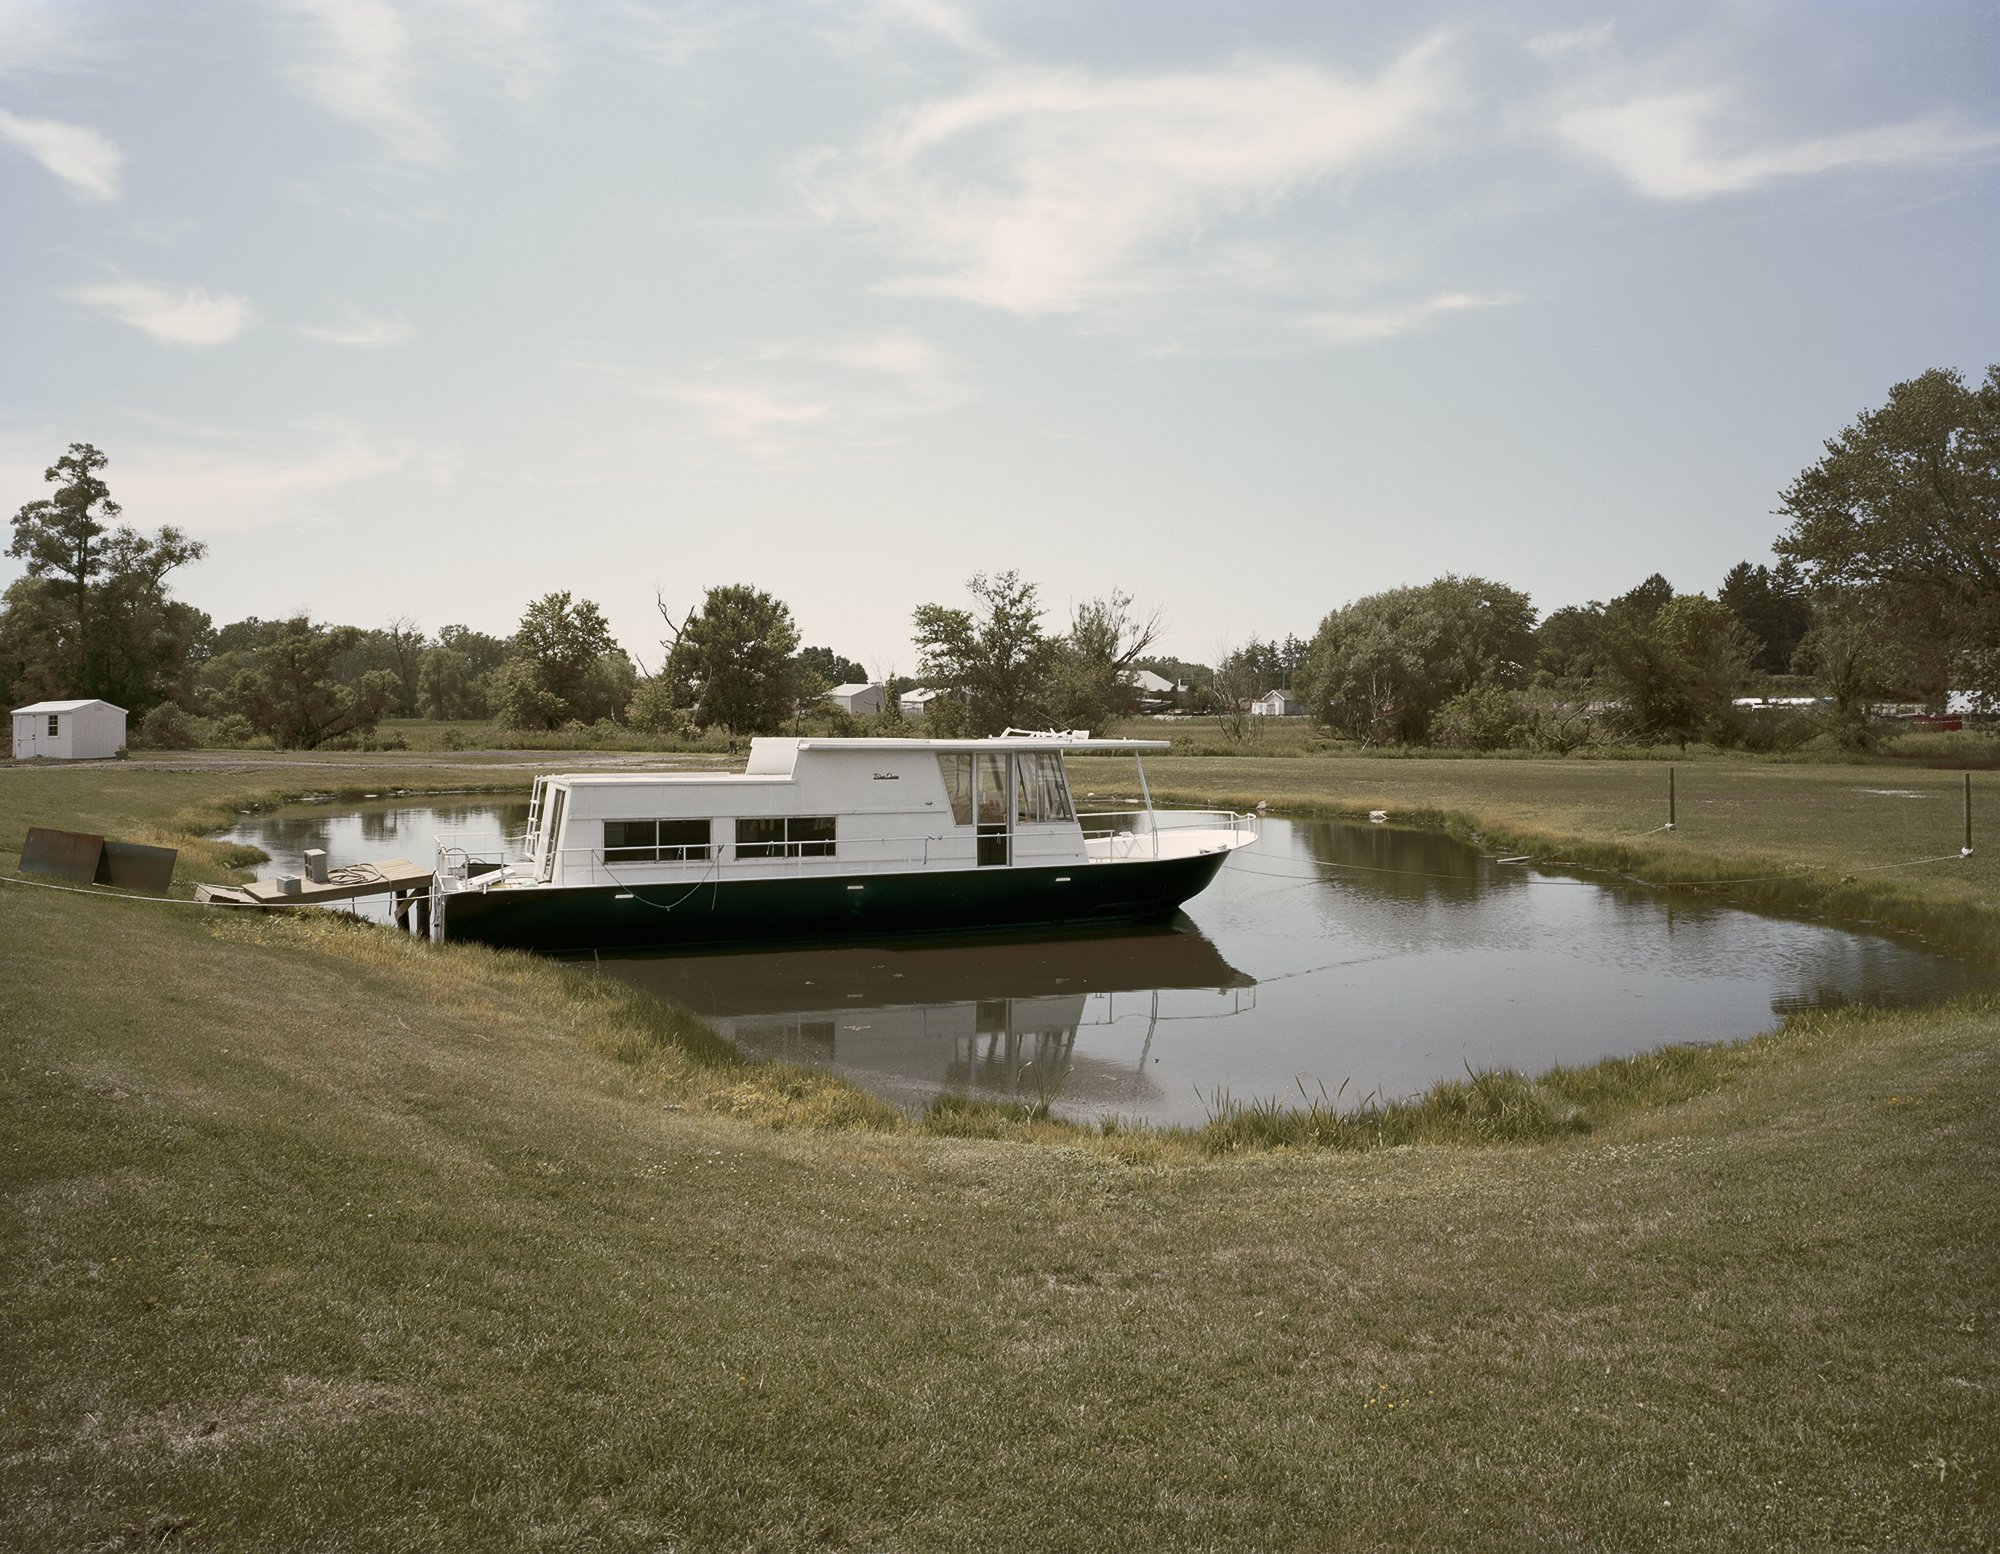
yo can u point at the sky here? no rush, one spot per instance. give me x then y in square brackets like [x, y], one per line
[424, 308]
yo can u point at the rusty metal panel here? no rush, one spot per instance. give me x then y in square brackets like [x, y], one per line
[68, 855]
[135, 866]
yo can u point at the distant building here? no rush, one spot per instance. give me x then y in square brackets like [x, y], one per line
[1971, 704]
[69, 730]
[1155, 692]
[861, 700]
[1277, 704]
[915, 703]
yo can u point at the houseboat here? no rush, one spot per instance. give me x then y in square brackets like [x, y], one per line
[831, 838]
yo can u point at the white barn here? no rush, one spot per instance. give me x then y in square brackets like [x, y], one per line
[915, 703]
[68, 730]
[861, 700]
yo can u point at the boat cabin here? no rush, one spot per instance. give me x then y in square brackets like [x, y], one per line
[806, 806]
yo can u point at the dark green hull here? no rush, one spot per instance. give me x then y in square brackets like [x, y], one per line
[565, 921]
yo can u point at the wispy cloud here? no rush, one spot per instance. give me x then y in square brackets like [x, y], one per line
[747, 417]
[774, 401]
[1571, 40]
[85, 159]
[207, 490]
[1043, 190]
[1353, 327]
[871, 24]
[43, 35]
[1674, 145]
[360, 65]
[362, 331]
[190, 317]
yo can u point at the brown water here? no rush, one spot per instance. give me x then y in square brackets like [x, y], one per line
[1355, 959]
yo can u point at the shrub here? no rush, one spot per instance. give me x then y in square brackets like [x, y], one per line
[166, 727]
[1482, 718]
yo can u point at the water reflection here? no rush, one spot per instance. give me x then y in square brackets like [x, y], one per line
[998, 1016]
[1325, 955]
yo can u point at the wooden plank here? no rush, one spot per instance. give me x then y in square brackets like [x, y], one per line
[347, 883]
[135, 866]
[68, 855]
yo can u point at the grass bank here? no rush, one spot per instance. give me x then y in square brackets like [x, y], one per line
[1834, 841]
[320, 1238]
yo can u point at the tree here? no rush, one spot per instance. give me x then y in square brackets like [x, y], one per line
[446, 686]
[292, 693]
[732, 661]
[1380, 668]
[830, 667]
[994, 655]
[99, 622]
[1089, 681]
[1774, 607]
[1675, 668]
[563, 666]
[1904, 508]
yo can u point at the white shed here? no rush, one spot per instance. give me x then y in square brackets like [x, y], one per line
[69, 730]
[861, 700]
[915, 703]
[1277, 704]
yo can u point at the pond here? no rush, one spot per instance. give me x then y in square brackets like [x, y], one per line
[1353, 960]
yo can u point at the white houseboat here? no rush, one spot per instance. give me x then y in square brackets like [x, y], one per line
[830, 838]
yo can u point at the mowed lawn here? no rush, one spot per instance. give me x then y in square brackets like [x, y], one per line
[321, 1238]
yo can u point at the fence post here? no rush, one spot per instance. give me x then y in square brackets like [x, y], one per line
[1966, 850]
[1670, 798]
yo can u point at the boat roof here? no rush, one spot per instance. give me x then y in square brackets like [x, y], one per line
[772, 760]
[996, 742]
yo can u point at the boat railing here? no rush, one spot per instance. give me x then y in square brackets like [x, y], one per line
[1127, 833]
[860, 855]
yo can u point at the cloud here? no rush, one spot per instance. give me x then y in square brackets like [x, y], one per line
[1044, 190]
[898, 353]
[190, 317]
[745, 416]
[362, 331]
[363, 69]
[1349, 328]
[1571, 40]
[869, 25]
[1666, 145]
[81, 157]
[207, 492]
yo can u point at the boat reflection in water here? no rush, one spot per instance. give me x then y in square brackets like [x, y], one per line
[1069, 1019]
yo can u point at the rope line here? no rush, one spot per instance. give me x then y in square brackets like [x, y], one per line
[111, 895]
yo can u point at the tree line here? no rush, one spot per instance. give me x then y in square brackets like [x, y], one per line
[1886, 584]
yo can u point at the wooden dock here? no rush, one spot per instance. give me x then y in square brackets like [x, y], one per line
[392, 876]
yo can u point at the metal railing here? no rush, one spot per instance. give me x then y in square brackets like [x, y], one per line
[480, 867]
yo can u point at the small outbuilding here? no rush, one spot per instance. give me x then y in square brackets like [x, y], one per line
[915, 703]
[1277, 704]
[68, 730]
[861, 700]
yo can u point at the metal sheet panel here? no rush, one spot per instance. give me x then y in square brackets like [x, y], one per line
[68, 855]
[135, 866]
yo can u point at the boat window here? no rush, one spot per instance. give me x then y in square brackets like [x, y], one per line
[1039, 793]
[957, 773]
[992, 789]
[650, 841]
[793, 836]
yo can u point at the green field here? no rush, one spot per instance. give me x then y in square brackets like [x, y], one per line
[321, 1238]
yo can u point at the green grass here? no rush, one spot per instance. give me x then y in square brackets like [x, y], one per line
[321, 1238]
